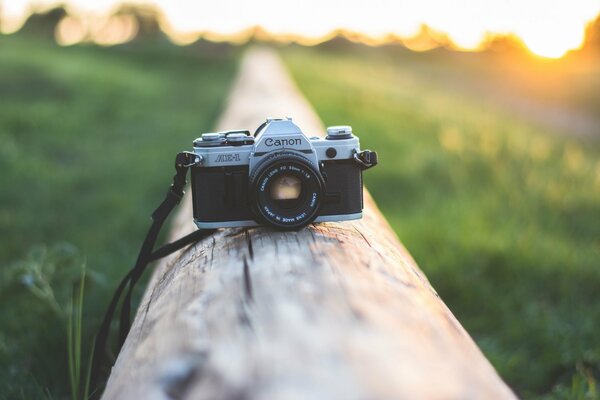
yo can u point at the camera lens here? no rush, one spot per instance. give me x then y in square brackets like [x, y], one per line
[286, 190]
[286, 187]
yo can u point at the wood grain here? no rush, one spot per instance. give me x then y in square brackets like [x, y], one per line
[334, 311]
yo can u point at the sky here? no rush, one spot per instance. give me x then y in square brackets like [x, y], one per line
[548, 28]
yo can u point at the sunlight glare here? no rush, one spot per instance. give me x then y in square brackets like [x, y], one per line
[114, 30]
[69, 31]
[13, 15]
[551, 28]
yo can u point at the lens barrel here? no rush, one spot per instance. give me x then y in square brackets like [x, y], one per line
[285, 190]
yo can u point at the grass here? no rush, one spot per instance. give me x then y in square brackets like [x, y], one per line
[79, 378]
[88, 136]
[501, 212]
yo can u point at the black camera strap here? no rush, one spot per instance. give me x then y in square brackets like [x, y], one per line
[146, 255]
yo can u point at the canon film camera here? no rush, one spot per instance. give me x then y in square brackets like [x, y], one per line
[277, 177]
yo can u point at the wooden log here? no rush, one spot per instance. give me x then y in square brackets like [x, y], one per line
[333, 311]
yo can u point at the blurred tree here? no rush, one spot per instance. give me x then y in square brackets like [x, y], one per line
[593, 35]
[147, 18]
[43, 24]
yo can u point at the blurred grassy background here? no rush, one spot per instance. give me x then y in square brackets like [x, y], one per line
[89, 136]
[490, 174]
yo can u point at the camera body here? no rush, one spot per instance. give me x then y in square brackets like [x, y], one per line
[278, 177]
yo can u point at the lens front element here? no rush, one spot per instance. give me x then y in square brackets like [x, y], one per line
[286, 190]
[286, 187]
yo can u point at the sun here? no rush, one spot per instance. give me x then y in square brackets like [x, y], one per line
[551, 28]
[553, 42]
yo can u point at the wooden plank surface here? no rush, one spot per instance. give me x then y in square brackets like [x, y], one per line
[334, 311]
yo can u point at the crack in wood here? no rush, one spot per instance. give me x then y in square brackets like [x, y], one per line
[247, 281]
[212, 251]
[249, 241]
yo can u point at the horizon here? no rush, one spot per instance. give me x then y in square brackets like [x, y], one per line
[546, 29]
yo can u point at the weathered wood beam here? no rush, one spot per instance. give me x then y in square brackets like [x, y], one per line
[334, 311]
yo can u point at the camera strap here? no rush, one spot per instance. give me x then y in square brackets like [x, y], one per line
[146, 255]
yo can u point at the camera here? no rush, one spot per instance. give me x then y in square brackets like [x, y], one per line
[278, 177]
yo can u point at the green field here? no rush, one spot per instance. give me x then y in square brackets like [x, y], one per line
[500, 209]
[89, 137]
[502, 213]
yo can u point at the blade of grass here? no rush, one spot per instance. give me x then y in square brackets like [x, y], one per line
[79, 321]
[74, 339]
[70, 354]
[88, 372]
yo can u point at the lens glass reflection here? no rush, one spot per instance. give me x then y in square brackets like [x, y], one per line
[286, 187]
